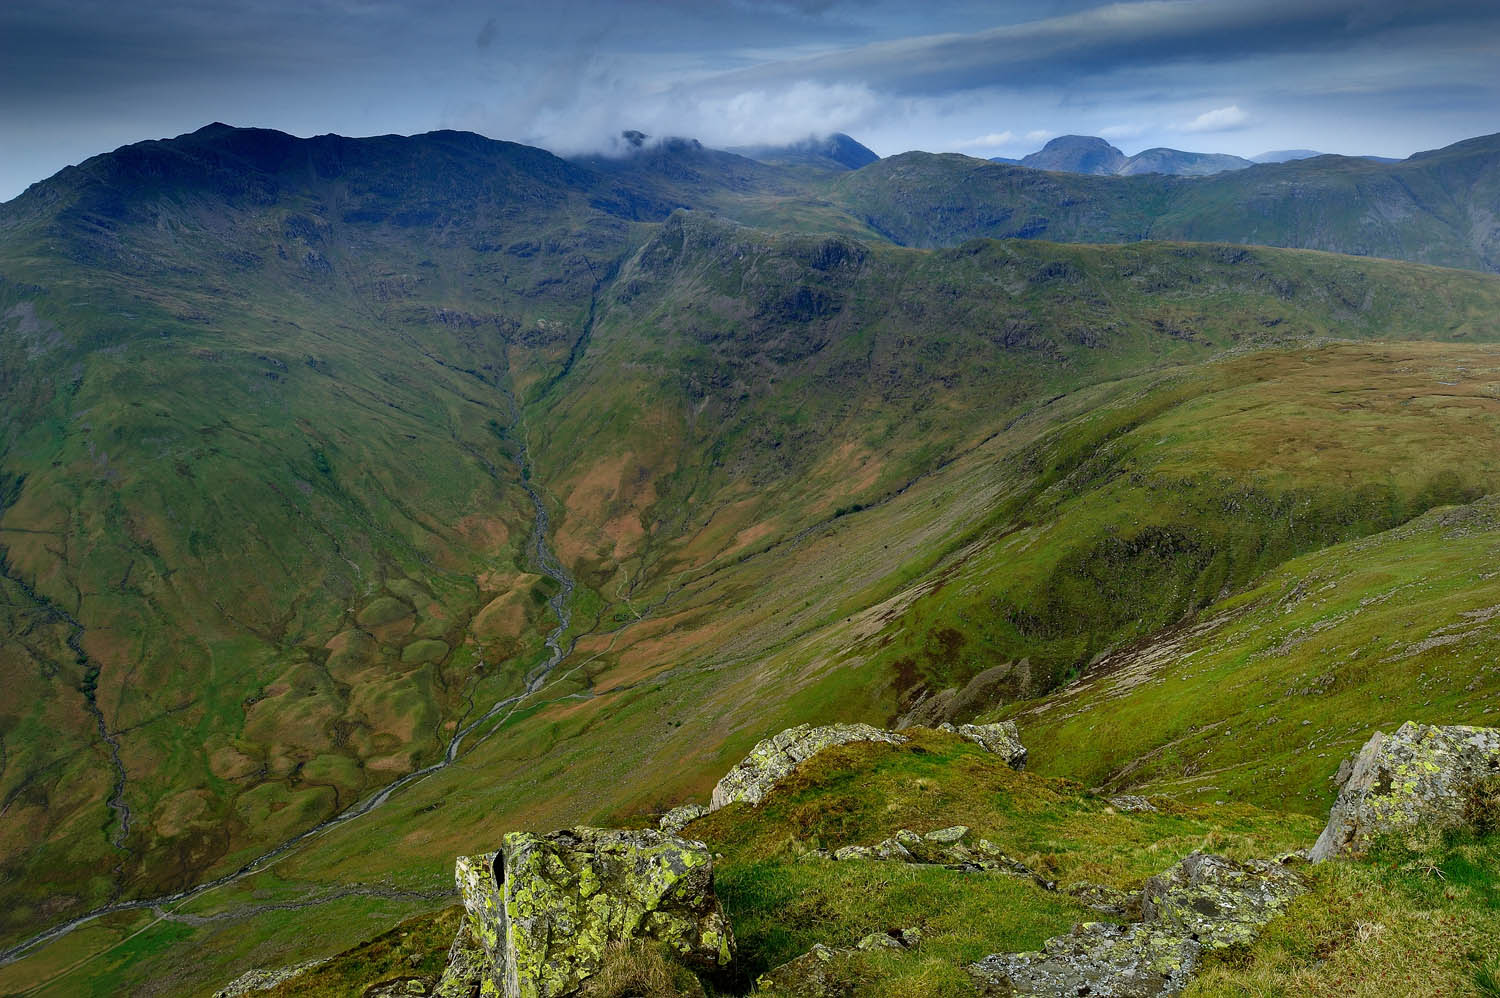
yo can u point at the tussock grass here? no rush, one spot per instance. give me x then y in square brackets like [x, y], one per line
[1415, 918]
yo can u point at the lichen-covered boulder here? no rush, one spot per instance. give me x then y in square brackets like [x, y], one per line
[1216, 901]
[675, 820]
[1098, 959]
[546, 908]
[484, 924]
[1422, 774]
[467, 973]
[820, 972]
[775, 758]
[1203, 903]
[1132, 804]
[1002, 738]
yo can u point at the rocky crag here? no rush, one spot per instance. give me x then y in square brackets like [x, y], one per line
[545, 909]
[1422, 774]
[544, 914]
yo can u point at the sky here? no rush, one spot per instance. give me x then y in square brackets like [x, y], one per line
[80, 77]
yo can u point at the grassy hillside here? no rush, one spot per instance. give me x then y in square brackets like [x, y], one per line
[1411, 920]
[1436, 207]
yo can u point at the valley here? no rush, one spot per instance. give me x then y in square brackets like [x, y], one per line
[361, 500]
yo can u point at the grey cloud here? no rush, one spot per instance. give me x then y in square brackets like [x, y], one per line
[487, 33]
[1061, 49]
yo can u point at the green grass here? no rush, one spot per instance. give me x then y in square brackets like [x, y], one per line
[1413, 919]
[1264, 700]
[780, 901]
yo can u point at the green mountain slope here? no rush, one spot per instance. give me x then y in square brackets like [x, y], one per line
[1437, 207]
[284, 414]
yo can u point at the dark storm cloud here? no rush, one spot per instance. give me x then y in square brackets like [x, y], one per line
[1121, 35]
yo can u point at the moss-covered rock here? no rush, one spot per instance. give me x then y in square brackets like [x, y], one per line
[950, 847]
[824, 972]
[263, 979]
[1098, 959]
[775, 758]
[1001, 738]
[1421, 775]
[1218, 902]
[1203, 903]
[675, 820]
[547, 908]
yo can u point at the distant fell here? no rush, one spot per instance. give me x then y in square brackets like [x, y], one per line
[1078, 154]
[838, 151]
[1285, 155]
[1437, 207]
[1182, 164]
[1089, 154]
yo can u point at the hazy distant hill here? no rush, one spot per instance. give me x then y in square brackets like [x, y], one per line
[1440, 207]
[1092, 155]
[837, 151]
[1285, 155]
[1182, 164]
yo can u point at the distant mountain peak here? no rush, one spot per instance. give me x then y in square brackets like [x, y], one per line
[835, 149]
[1090, 154]
[1077, 154]
[1285, 155]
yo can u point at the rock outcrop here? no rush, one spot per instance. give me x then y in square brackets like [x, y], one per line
[1001, 738]
[1422, 774]
[545, 909]
[1203, 903]
[1132, 804]
[467, 973]
[951, 848]
[812, 975]
[675, 820]
[775, 758]
[261, 979]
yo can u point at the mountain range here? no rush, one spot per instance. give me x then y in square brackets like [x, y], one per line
[541, 489]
